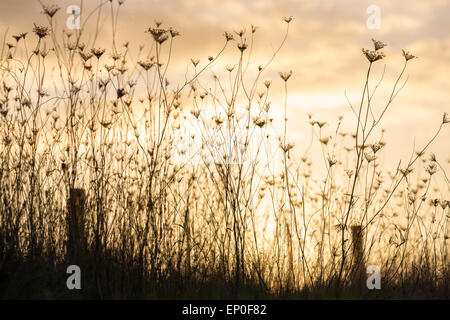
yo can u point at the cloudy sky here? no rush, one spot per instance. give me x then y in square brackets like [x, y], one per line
[323, 50]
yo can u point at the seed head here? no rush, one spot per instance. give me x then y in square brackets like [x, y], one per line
[228, 36]
[378, 44]
[408, 56]
[174, 33]
[432, 157]
[375, 147]
[286, 147]
[146, 65]
[260, 122]
[288, 19]
[372, 55]
[41, 31]
[285, 75]
[242, 46]
[432, 168]
[230, 68]
[160, 35]
[195, 62]
[97, 52]
[50, 10]
[369, 157]
[332, 161]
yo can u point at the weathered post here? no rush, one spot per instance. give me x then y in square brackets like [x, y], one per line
[76, 236]
[358, 257]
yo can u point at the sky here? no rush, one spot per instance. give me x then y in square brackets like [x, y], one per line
[323, 50]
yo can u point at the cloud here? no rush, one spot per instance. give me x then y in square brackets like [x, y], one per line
[323, 48]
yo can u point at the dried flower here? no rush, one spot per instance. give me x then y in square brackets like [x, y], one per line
[41, 31]
[378, 44]
[230, 68]
[218, 120]
[408, 56]
[324, 140]
[146, 65]
[445, 118]
[369, 157]
[285, 75]
[349, 173]
[260, 122]
[288, 19]
[432, 168]
[50, 10]
[174, 33]
[406, 172]
[286, 147]
[97, 52]
[120, 92]
[375, 147]
[372, 55]
[242, 46]
[195, 113]
[432, 157]
[160, 35]
[332, 161]
[195, 62]
[228, 36]
[240, 33]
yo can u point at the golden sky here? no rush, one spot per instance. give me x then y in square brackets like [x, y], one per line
[323, 50]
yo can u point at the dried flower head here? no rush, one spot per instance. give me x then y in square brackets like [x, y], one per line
[375, 147]
[324, 140]
[260, 122]
[242, 46]
[240, 32]
[146, 65]
[378, 44]
[160, 35]
[369, 156]
[432, 157]
[431, 168]
[408, 56]
[288, 19]
[349, 173]
[406, 172]
[331, 161]
[373, 55]
[230, 68]
[286, 147]
[445, 118]
[41, 31]
[195, 62]
[97, 52]
[285, 75]
[50, 10]
[173, 33]
[228, 36]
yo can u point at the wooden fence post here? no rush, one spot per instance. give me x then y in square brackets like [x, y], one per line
[76, 235]
[358, 257]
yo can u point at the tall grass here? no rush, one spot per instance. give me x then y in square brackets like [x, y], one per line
[190, 189]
